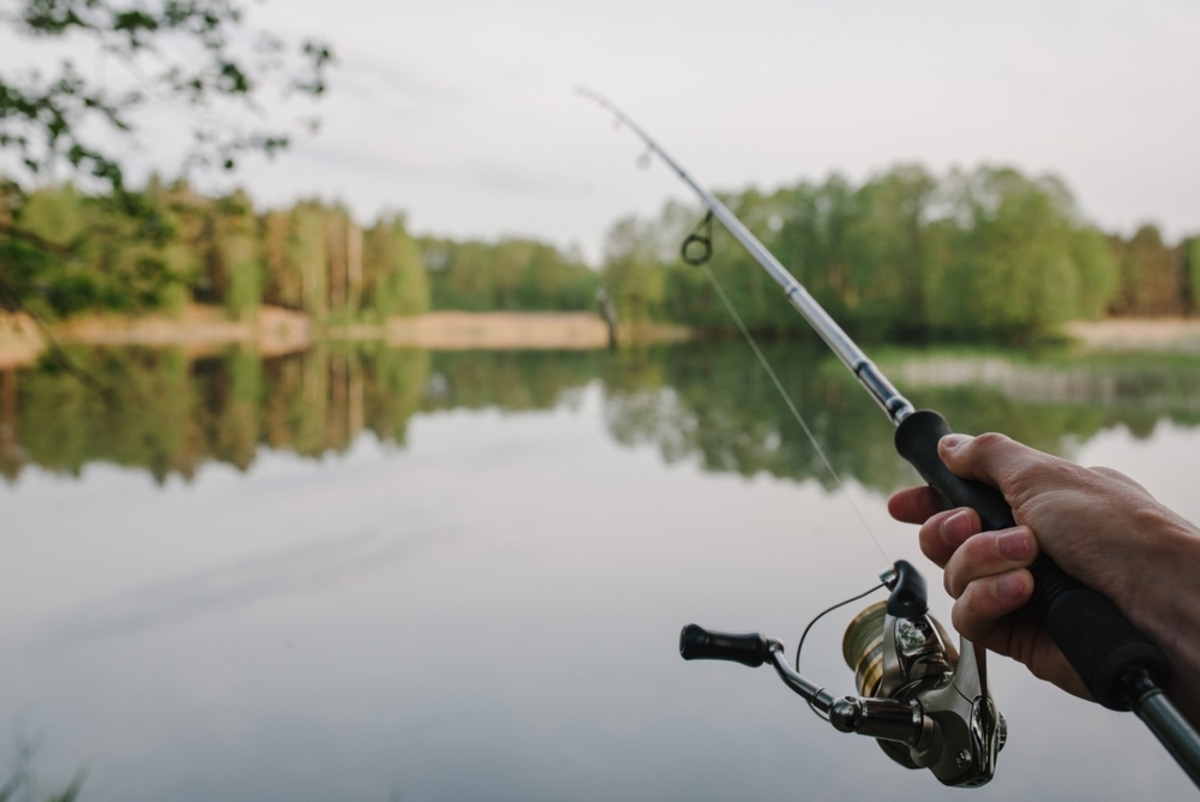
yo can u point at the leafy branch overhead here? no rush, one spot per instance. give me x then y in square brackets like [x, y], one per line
[195, 57]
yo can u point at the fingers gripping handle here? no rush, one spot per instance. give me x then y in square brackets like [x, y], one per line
[749, 648]
[1095, 637]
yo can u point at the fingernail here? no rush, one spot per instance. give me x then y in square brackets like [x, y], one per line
[954, 440]
[1010, 586]
[1014, 544]
[956, 528]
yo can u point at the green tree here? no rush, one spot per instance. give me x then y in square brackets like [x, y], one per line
[238, 246]
[1007, 265]
[1192, 249]
[1098, 276]
[76, 252]
[887, 252]
[512, 274]
[395, 279]
[986, 253]
[196, 56]
[633, 273]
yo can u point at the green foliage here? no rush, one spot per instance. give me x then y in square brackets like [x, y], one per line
[632, 275]
[75, 252]
[78, 252]
[1007, 265]
[396, 282]
[191, 53]
[1192, 249]
[62, 252]
[512, 274]
[1098, 276]
[989, 253]
[87, 255]
[238, 243]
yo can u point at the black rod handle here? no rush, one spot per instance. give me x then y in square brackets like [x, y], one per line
[749, 648]
[1098, 641]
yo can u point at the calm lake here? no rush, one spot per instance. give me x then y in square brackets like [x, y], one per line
[370, 574]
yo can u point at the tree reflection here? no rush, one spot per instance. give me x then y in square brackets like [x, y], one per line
[168, 413]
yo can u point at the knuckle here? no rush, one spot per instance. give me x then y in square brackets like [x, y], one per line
[989, 442]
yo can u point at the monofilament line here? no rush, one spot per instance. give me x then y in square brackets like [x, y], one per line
[712, 279]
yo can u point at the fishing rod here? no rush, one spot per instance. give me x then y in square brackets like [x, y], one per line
[904, 665]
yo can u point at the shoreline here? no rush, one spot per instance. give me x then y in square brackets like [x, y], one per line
[1137, 334]
[202, 330]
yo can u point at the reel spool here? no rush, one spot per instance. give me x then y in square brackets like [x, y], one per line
[921, 656]
[862, 648]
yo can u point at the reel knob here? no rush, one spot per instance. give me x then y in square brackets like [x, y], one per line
[748, 648]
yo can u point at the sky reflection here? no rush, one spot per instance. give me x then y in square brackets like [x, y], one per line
[491, 612]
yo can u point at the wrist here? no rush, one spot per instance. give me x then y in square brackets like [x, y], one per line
[1163, 601]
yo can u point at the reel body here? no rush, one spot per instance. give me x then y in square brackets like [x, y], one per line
[926, 703]
[912, 658]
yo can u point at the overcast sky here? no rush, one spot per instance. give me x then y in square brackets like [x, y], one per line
[462, 112]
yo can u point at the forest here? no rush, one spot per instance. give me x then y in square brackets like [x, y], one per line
[64, 253]
[906, 254]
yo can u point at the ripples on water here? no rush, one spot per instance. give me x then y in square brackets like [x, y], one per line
[367, 573]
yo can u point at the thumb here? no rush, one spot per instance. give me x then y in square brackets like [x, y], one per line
[989, 458]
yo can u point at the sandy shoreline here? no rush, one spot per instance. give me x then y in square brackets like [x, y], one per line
[1137, 334]
[202, 330]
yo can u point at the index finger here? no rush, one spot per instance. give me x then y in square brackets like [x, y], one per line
[915, 505]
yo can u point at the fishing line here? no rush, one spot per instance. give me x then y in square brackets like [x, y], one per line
[703, 237]
[712, 279]
[817, 618]
[822, 614]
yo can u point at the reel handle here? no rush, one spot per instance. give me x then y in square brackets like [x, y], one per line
[1097, 639]
[748, 648]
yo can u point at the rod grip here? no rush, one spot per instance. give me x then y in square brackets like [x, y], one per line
[748, 648]
[1098, 641]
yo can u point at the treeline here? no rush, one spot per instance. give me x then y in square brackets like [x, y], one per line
[909, 254]
[906, 254]
[513, 274]
[65, 252]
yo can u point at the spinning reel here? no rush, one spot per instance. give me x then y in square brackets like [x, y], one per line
[925, 702]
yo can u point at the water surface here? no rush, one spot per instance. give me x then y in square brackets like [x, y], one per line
[368, 574]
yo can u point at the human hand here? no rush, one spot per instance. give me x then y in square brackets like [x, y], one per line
[1099, 526]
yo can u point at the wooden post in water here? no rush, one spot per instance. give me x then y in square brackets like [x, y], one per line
[10, 446]
[609, 312]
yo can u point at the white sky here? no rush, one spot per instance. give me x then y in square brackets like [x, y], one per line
[462, 112]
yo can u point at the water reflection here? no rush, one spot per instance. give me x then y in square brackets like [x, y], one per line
[164, 412]
[485, 605]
